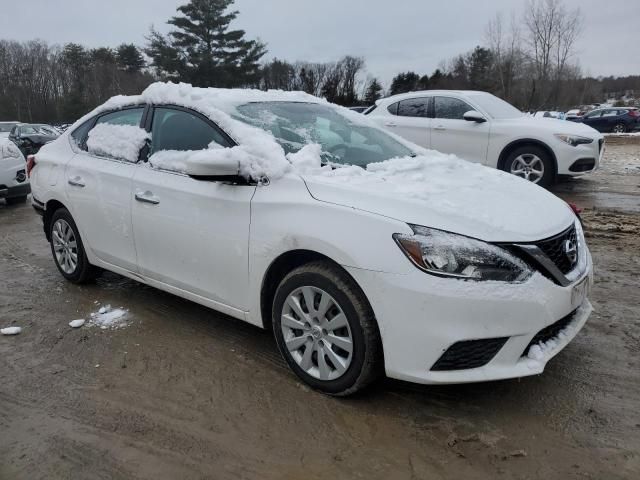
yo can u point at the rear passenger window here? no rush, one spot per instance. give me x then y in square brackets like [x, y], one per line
[414, 107]
[130, 116]
[179, 130]
[451, 108]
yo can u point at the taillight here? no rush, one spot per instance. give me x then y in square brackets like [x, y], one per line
[577, 210]
[634, 113]
[31, 162]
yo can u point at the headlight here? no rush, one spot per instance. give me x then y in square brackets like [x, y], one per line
[10, 150]
[573, 140]
[450, 255]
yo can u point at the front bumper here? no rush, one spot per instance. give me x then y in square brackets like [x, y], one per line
[580, 160]
[421, 316]
[13, 191]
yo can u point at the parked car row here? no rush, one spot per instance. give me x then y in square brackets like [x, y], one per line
[363, 252]
[614, 120]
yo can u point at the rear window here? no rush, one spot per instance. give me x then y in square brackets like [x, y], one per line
[414, 107]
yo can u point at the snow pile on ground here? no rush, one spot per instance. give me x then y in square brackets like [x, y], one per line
[117, 141]
[106, 317]
[10, 331]
[76, 323]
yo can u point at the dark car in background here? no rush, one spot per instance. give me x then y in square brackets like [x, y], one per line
[614, 119]
[29, 138]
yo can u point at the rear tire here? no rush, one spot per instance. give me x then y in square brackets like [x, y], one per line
[316, 349]
[620, 128]
[532, 163]
[67, 249]
[16, 200]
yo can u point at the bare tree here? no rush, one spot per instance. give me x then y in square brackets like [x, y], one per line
[551, 35]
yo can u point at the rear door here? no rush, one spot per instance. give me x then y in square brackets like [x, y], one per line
[611, 117]
[190, 234]
[411, 120]
[99, 191]
[451, 133]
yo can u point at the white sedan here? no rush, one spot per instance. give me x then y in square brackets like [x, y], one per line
[365, 254]
[482, 128]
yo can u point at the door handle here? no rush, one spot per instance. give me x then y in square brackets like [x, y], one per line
[76, 182]
[439, 127]
[390, 124]
[147, 197]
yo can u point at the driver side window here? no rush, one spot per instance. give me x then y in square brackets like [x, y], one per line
[451, 108]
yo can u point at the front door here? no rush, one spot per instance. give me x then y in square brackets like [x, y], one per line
[451, 133]
[191, 234]
[99, 192]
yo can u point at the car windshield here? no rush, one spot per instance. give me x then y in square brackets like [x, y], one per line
[343, 140]
[496, 107]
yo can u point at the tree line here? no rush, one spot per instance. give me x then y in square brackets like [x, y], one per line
[529, 60]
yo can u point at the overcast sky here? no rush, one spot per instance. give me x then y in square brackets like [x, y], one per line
[392, 35]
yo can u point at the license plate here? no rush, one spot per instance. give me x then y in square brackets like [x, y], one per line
[580, 292]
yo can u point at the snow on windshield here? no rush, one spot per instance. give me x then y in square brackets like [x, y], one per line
[117, 141]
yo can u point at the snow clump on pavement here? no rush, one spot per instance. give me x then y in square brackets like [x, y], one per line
[106, 317]
[10, 331]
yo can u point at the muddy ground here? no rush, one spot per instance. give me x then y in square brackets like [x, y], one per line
[185, 392]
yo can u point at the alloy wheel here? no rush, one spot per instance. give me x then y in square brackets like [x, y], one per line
[65, 246]
[316, 333]
[528, 166]
[620, 128]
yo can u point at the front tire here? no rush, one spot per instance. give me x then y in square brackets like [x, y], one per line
[326, 330]
[531, 163]
[67, 248]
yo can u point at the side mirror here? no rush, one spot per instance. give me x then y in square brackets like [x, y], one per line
[202, 168]
[474, 116]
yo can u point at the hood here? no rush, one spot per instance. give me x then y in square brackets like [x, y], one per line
[444, 192]
[553, 125]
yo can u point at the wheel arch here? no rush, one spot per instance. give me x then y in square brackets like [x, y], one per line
[50, 208]
[523, 142]
[280, 267]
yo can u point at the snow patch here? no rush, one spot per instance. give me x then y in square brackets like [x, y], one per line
[117, 141]
[10, 331]
[76, 323]
[106, 317]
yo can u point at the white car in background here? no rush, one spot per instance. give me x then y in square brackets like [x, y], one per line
[482, 128]
[14, 185]
[364, 253]
[6, 127]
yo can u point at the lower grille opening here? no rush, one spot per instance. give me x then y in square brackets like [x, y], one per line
[547, 333]
[583, 165]
[469, 354]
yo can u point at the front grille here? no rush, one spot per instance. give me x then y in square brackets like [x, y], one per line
[547, 333]
[469, 354]
[554, 248]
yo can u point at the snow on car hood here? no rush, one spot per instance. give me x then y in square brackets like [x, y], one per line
[440, 191]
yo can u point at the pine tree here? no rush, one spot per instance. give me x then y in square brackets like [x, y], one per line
[203, 50]
[129, 58]
[373, 92]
